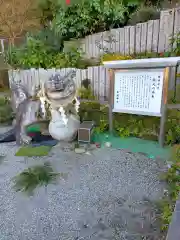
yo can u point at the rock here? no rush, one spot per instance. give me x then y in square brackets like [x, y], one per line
[108, 144]
[92, 147]
[67, 149]
[83, 145]
[88, 153]
[26, 140]
[60, 130]
[80, 150]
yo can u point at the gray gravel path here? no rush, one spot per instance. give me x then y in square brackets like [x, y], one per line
[104, 196]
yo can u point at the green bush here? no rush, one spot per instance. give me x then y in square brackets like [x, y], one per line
[125, 125]
[40, 175]
[133, 125]
[87, 17]
[36, 53]
[144, 14]
[83, 17]
[6, 113]
[176, 42]
[172, 178]
[33, 54]
[86, 93]
[47, 10]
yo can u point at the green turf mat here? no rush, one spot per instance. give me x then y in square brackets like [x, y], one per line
[151, 148]
[30, 151]
[34, 128]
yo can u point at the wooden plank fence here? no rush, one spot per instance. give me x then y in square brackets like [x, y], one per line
[98, 76]
[32, 78]
[151, 36]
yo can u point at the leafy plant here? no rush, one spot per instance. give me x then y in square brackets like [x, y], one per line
[32, 54]
[176, 153]
[38, 53]
[166, 214]
[86, 93]
[144, 14]
[31, 178]
[122, 131]
[6, 113]
[52, 41]
[87, 17]
[113, 57]
[102, 127]
[136, 127]
[172, 177]
[65, 60]
[47, 9]
[132, 125]
[175, 41]
[173, 133]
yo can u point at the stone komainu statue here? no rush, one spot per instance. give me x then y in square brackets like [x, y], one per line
[59, 92]
[25, 110]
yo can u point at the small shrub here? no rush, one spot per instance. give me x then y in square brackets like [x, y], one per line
[31, 178]
[6, 113]
[84, 63]
[176, 154]
[86, 93]
[87, 17]
[175, 41]
[145, 55]
[36, 53]
[125, 125]
[114, 57]
[102, 127]
[144, 14]
[172, 178]
[166, 210]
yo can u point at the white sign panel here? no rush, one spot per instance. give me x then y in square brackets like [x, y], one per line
[138, 92]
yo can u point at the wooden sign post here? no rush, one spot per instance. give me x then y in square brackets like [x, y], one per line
[140, 87]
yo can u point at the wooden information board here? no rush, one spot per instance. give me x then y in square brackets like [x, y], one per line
[138, 91]
[141, 92]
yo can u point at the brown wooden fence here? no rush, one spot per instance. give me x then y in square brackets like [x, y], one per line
[98, 76]
[151, 36]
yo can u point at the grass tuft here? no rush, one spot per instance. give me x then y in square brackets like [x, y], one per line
[31, 178]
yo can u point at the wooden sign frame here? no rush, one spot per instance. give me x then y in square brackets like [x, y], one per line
[163, 103]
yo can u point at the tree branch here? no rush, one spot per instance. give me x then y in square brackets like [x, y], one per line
[16, 16]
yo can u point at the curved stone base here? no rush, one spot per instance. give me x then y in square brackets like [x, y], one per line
[61, 131]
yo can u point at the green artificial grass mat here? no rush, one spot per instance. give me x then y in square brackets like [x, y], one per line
[150, 148]
[30, 151]
[33, 128]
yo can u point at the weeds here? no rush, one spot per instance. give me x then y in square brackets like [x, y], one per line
[31, 178]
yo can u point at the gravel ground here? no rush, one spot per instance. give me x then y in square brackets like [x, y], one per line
[105, 195]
